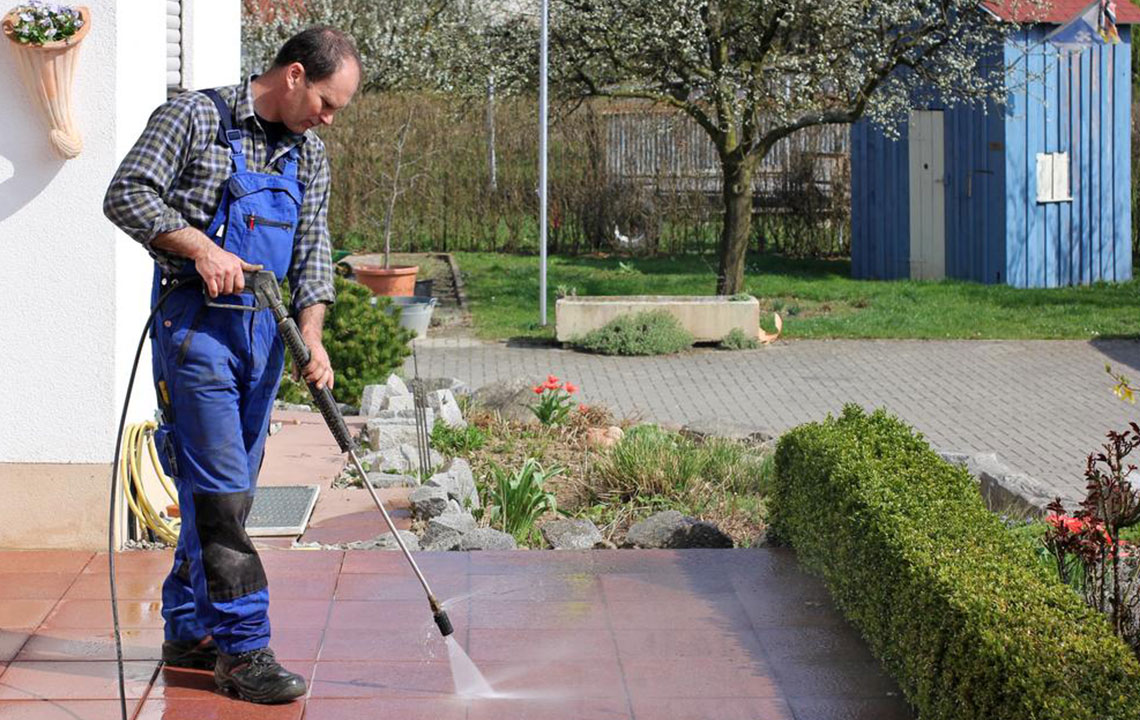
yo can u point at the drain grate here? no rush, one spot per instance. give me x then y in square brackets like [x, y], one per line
[281, 510]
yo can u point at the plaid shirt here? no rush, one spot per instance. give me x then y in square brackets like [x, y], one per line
[173, 177]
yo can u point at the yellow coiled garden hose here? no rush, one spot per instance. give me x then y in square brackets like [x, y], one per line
[139, 445]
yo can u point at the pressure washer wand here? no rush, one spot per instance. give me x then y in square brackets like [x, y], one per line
[267, 293]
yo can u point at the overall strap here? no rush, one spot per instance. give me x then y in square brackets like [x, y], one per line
[227, 133]
[287, 163]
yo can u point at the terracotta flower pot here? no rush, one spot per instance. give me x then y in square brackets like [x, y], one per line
[396, 280]
[48, 71]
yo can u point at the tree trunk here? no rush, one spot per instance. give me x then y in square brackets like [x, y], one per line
[737, 194]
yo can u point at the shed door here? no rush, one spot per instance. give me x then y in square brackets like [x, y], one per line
[927, 196]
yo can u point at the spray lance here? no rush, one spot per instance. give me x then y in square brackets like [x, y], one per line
[262, 284]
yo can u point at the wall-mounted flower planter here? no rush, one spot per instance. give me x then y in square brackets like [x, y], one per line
[48, 72]
[708, 317]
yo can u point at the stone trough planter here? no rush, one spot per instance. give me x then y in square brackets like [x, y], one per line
[708, 317]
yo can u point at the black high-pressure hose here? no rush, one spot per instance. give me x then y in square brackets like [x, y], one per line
[113, 516]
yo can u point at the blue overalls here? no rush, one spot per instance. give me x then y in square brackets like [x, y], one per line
[217, 371]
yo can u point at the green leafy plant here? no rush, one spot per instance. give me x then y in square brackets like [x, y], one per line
[39, 22]
[653, 332]
[514, 500]
[364, 342]
[457, 441]
[737, 340]
[553, 406]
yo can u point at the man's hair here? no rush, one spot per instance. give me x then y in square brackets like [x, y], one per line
[320, 50]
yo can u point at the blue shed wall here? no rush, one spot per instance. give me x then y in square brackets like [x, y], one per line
[880, 205]
[1079, 104]
[996, 231]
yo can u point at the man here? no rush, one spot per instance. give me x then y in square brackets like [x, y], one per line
[221, 182]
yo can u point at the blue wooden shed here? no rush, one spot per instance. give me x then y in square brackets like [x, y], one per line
[1032, 194]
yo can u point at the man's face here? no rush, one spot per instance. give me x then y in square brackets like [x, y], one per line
[308, 104]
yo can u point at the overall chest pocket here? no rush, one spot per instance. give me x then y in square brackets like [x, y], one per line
[263, 218]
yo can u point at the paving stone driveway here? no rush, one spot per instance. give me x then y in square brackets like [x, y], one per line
[1040, 405]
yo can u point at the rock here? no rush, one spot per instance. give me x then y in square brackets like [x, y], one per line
[459, 482]
[428, 502]
[453, 507]
[487, 539]
[441, 539]
[374, 399]
[347, 410]
[401, 402]
[729, 429]
[460, 522]
[274, 428]
[671, 529]
[387, 460]
[443, 402]
[294, 407]
[571, 534]
[383, 433]
[391, 480]
[511, 399]
[412, 458]
[396, 386]
[386, 542]
[604, 437]
[455, 385]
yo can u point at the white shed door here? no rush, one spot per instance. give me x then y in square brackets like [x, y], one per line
[927, 196]
[173, 46]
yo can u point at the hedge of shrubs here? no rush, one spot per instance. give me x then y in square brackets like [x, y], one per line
[955, 606]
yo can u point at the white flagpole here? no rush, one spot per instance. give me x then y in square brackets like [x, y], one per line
[543, 47]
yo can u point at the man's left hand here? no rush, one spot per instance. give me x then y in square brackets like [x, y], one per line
[319, 370]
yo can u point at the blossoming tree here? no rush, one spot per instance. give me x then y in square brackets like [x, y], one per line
[751, 72]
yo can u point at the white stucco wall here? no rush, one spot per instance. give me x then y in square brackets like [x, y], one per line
[74, 289]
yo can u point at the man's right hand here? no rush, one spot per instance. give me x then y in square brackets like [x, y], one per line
[222, 271]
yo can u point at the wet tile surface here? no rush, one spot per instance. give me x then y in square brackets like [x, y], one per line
[658, 635]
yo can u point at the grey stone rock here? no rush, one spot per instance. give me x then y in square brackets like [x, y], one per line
[401, 402]
[391, 433]
[441, 539]
[296, 407]
[428, 502]
[390, 460]
[397, 386]
[386, 542]
[391, 480]
[455, 385]
[703, 428]
[511, 399]
[487, 539]
[453, 507]
[443, 402]
[412, 458]
[460, 522]
[571, 534]
[459, 482]
[1005, 491]
[374, 399]
[348, 410]
[671, 529]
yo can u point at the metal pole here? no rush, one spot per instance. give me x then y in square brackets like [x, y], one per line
[543, 47]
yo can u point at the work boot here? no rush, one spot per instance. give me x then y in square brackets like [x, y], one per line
[256, 676]
[201, 655]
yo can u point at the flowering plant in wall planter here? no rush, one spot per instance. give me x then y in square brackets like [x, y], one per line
[45, 39]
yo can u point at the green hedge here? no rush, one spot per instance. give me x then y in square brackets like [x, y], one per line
[958, 609]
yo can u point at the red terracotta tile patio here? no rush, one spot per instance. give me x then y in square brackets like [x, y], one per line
[662, 635]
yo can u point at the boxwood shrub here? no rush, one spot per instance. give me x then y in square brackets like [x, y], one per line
[652, 332]
[954, 605]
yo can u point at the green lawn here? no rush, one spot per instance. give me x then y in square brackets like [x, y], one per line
[817, 299]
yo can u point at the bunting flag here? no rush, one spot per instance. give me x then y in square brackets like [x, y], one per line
[1108, 22]
[1095, 25]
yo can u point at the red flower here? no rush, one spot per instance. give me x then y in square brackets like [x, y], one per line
[571, 388]
[538, 389]
[1055, 520]
[551, 379]
[583, 408]
[1074, 525]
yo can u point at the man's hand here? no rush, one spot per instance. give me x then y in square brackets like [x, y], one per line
[221, 270]
[311, 321]
[319, 370]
